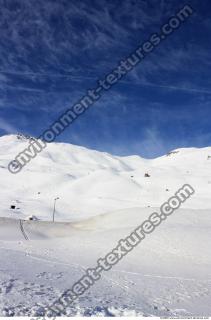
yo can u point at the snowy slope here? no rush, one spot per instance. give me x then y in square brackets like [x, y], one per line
[102, 199]
[89, 182]
[169, 274]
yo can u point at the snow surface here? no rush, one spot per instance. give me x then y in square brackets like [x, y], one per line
[102, 198]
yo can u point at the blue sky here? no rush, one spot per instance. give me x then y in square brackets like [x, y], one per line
[52, 51]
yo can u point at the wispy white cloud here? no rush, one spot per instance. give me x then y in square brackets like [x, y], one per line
[7, 127]
[151, 144]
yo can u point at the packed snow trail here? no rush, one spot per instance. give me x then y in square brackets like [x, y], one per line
[22, 230]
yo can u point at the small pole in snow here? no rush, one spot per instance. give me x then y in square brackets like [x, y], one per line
[54, 208]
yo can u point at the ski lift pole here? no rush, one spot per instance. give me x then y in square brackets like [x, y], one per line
[54, 208]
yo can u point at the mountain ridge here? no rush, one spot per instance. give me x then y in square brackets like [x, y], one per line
[90, 182]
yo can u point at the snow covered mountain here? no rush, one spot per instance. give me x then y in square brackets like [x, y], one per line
[103, 198]
[89, 182]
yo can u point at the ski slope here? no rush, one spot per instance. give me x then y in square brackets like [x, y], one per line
[102, 199]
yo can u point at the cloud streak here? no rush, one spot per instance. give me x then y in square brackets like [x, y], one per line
[7, 127]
